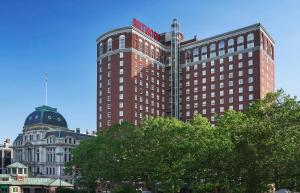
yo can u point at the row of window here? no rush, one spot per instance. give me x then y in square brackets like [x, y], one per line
[212, 111]
[212, 54]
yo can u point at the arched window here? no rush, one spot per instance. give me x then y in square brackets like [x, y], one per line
[262, 43]
[195, 54]
[240, 42]
[146, 48]
[250, 37]
[221, 48]
[212, 49]
[109, 44]
[250, 40]
[121, 42]
[187, 57]
[230, 44]
[152, 51]
[204, 53]
[141, 45]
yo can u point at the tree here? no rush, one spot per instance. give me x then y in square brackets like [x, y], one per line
[245, 152]
[266, 140]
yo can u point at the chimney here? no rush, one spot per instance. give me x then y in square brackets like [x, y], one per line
[77, 130]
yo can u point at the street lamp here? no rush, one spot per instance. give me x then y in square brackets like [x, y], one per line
[59, 154]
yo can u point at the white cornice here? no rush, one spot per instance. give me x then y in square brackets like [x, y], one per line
[130, 50]
[218, 57]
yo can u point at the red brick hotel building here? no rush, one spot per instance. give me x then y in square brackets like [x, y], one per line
[144, 73]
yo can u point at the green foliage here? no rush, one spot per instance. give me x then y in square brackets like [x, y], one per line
[245, 152]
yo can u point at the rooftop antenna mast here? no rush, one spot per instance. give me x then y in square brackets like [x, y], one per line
[46, 87]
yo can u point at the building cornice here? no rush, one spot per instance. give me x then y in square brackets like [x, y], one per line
[218, 57]
[133, 30]
[117, 51]
[223, 36]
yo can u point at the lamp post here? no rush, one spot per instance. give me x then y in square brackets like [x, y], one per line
[59, 154]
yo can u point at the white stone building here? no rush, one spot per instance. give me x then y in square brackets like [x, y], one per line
[46, 144]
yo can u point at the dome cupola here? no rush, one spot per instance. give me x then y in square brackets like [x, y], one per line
[45, 115]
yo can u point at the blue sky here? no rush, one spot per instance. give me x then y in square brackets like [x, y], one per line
[58, 37]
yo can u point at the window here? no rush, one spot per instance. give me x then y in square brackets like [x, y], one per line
[146, 48]
[230, 100]
[230, 58]
[250, 62]
[221, 76]
[250, 54]
[250, 96]
[221, 48]
[250, 40]
[230, 44]
[187, 57]
[231, 75]
[221, 101]
[240, 89]
[221, 84]
[230, 66]
[221, 60]
[101, 48]
[250, 71]
[240, 64]
[250, 88]
[241, 106]
[222, 93]
[121, 42]
[195, 74]
[212, 79]
[212, 86]
[241, 81]
[140, 45]
[121, 113]
[250, 80]
[212, 50]
[230, 83]
[240, 98]
[204, 53]
[240, 56]
[221, 109]
[212, 94]
[240, 73]
[109, 44]
[221, 68]
[240, 42]
[195, 55]
[212, 102]
[204, 111]
[203, 88]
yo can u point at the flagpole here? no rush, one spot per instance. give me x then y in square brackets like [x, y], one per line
[46, 85]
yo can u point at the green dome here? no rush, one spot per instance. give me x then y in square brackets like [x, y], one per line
[45, 115]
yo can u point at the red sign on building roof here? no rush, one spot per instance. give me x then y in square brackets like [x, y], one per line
[145, 29]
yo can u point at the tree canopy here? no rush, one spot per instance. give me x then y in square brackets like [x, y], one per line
[244, 152]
